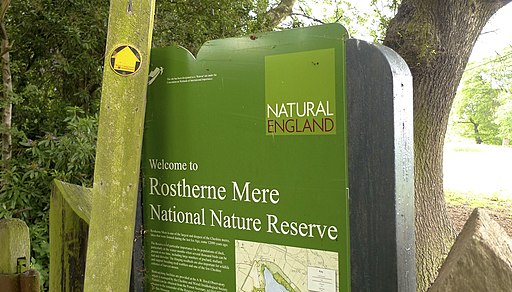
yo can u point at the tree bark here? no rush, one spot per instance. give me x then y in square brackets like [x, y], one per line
[7, 86]
[435, 38]
[280, 12]
[478, 140]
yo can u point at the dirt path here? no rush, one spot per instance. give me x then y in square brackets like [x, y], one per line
[460, 213]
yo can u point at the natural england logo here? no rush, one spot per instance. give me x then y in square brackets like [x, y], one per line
[308, 117]
[300, 93]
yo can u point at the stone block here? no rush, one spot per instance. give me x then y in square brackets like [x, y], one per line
[480, 260]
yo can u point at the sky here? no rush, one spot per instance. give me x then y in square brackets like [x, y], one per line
[496, 35]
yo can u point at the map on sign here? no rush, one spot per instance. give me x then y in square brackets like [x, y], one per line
[270, 267]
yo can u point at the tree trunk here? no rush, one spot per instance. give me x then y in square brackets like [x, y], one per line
[280, 12]
[435, 38]
[478, 139]
[7, 86]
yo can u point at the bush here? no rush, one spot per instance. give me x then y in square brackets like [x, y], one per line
[26, 179]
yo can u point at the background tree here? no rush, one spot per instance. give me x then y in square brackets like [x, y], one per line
[435, 38]
[476, 106]
[482, 107]
[7, 97]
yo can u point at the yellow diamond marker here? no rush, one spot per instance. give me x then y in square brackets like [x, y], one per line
[125, 60]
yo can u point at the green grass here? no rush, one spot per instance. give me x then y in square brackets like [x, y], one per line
[466, 149]
[478, 200]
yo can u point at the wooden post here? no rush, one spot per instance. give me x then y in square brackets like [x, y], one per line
[15, 258]
[70, 213]
[117, 167]
[29, 281]
[10, 282]
[381, 172]
[14, 244]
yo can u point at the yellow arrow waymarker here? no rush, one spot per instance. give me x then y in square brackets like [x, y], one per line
[125, 60]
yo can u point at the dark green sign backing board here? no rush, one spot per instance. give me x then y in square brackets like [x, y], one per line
[245, 165]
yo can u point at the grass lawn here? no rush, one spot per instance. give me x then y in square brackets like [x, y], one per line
[478, 176]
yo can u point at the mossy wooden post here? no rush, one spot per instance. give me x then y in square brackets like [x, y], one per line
[70, 214]
[14, 244]
[15, 258]
[116, 173]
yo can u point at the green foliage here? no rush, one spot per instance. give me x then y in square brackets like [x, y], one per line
[378, 20]
[483, 108]
[477, 108]
[307, 13]
[504, 119]
[367, 24]
[190, 23]
[57, 57]
[26, 179]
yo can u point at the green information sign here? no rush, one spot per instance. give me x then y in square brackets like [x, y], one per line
[245, 167]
